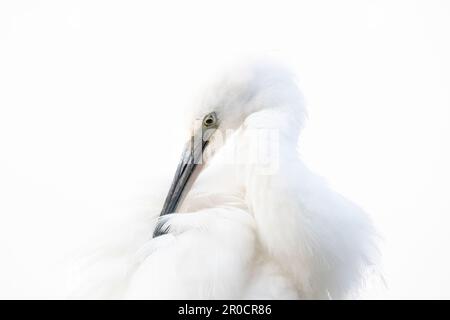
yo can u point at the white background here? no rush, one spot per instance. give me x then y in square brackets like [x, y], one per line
[92, 94]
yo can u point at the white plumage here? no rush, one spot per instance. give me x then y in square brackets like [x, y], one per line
[249, 228]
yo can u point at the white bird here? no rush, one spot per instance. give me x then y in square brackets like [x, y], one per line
[245, 218]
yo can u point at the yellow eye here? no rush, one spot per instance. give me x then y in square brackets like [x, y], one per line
[210, 120]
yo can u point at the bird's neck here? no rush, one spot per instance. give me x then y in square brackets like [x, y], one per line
[264, 141]
[283, 121]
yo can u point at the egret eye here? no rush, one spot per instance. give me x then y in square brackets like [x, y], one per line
[209, 120]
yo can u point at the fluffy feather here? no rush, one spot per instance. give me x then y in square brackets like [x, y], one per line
[252, 228]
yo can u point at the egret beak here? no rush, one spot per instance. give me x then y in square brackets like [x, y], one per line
[191, 157]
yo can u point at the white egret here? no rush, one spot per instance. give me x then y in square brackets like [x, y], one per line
[251, 221]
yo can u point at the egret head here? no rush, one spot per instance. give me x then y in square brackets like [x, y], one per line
[225, 106]
[247, 89]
